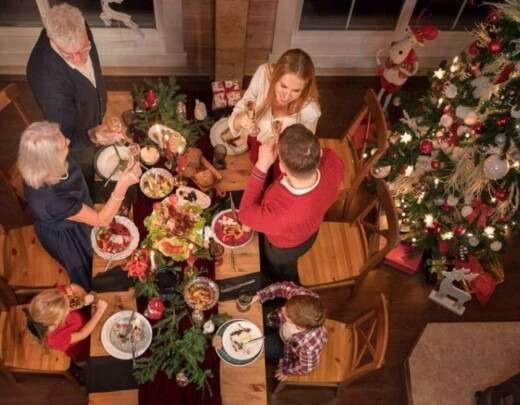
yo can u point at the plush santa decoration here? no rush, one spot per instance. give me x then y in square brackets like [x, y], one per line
[401, 61]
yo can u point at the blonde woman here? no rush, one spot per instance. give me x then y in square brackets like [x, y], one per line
[59, 200]
[56, 315]
[281, 95]
[65, 77]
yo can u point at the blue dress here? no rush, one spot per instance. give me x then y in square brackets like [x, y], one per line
[66, 241]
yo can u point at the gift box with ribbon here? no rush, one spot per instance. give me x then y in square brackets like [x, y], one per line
[402, 258]
[226, 93]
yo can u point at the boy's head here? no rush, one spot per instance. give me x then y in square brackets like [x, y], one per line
[299, 151]
[305, 311]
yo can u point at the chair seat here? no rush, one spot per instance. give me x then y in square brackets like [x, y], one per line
[338, 255]
[22, 351]
[335, 359]
[27, 264]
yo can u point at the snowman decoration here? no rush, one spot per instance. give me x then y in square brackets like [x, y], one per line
[401, 61]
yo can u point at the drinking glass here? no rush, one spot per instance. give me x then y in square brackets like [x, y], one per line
[219, 156]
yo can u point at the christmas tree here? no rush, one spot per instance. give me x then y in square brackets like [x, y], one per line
[454, 157]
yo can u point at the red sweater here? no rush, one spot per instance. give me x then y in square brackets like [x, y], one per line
[285, 218]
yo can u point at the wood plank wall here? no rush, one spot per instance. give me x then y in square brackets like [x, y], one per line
[199, 34]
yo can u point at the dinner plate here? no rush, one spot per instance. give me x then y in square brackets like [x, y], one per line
[150, 174]
[201, 199]
[216, 227]
[215, 137]
[157, 133]
[134, 241]
[123, 350]
[243, 357]
[106, 161]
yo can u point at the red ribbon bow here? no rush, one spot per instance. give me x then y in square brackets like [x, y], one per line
[480, 210]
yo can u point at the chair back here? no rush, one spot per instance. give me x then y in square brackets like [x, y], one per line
[365, 158]
[9, 95]
[370, 340]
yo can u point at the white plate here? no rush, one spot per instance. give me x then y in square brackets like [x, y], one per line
[217, 238]
[155, 133]
[153, 172]
[203, 200]
[107, 160]
[250, 351]
[215, 136]
[134, 241]
[124, 317]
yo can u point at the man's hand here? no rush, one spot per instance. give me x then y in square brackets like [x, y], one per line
[102, 135]
[267, 154]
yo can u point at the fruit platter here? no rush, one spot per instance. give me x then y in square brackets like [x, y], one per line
[175, 230]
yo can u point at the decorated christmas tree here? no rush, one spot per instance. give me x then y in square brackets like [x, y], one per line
[454, 159]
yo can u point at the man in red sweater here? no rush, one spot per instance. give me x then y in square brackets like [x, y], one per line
[289, 212]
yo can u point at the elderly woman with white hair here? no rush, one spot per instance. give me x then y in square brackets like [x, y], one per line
[59, 199]
[65, 76]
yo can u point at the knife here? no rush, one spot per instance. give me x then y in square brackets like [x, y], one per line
[233, 208]
[129, 324]
[237, 286]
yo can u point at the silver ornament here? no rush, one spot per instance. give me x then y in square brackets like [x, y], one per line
[496, 246]
[495, 167]
[381, 172]
[473, 241]
[439, 201]
[182, 379]
[396, 101]
[500, 139]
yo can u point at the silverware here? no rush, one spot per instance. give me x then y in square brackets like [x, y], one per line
[111, 175]
[233, 260]
[233, 208]
[129, 324]
[107, 265]
[237, 286]
[132, 342]
[253, 340]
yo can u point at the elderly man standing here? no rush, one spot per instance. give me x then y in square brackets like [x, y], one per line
[65, 76]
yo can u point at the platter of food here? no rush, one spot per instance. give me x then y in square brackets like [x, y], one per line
[175, 230]
[190, 195]
[117, 337]
[220, 134]
[229, 232]
[115, 241]
[242, 342]
[157, 183]
[201, 293]
[111, 161]
[166, 137]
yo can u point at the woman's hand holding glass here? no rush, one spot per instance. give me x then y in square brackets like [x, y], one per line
[131, 175]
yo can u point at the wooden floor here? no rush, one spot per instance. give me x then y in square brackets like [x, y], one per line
[409, 307]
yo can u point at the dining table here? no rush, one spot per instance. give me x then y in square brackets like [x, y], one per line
[237, 384]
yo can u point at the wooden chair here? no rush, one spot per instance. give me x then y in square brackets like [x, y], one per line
[343, 252]
[9, 95]
[20, 351]
[353, 350]
[358, 162]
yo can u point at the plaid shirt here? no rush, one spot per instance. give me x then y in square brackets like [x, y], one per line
[301, 352]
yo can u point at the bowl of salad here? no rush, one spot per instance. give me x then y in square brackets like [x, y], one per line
[115, 241]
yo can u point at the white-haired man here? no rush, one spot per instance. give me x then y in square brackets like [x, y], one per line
[65, 76]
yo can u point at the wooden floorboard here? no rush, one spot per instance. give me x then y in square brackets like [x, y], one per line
[409, 307]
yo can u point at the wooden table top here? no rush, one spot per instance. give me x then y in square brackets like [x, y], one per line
[237, 171]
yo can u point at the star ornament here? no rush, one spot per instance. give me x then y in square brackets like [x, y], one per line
[406, 137]
[428, 219]
[439, 73]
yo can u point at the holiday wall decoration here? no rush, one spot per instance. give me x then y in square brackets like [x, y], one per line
[460, 147]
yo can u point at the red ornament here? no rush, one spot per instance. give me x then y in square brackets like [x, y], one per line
[155, 309]
[474, 68]
[150, 99]
[435, 164]
[434, 228]
[478, 128]
[501, 194]
[453, 140]
[459, 230]
[504, 74]
[473, 49]
[502, 121]
[495, 46]
[493, 16]
[447, 110]
[426, 147]
[446, 207]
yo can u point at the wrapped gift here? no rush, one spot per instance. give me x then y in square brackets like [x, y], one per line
[402, 258]
[226, 93]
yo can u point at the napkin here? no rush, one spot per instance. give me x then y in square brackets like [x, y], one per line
[109, 374]
[115, 279]
[256, 284]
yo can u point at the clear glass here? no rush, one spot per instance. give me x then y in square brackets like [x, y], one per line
[443, 13]
[19, 13]
[142, 11]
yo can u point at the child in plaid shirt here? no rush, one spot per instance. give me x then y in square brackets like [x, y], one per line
[297, 334]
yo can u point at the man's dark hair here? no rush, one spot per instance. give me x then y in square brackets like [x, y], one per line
[299, 150]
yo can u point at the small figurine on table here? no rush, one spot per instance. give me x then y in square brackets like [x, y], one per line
[401, 62]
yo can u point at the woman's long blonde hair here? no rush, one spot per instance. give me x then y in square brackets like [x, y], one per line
[49, 307]
[299, 63]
